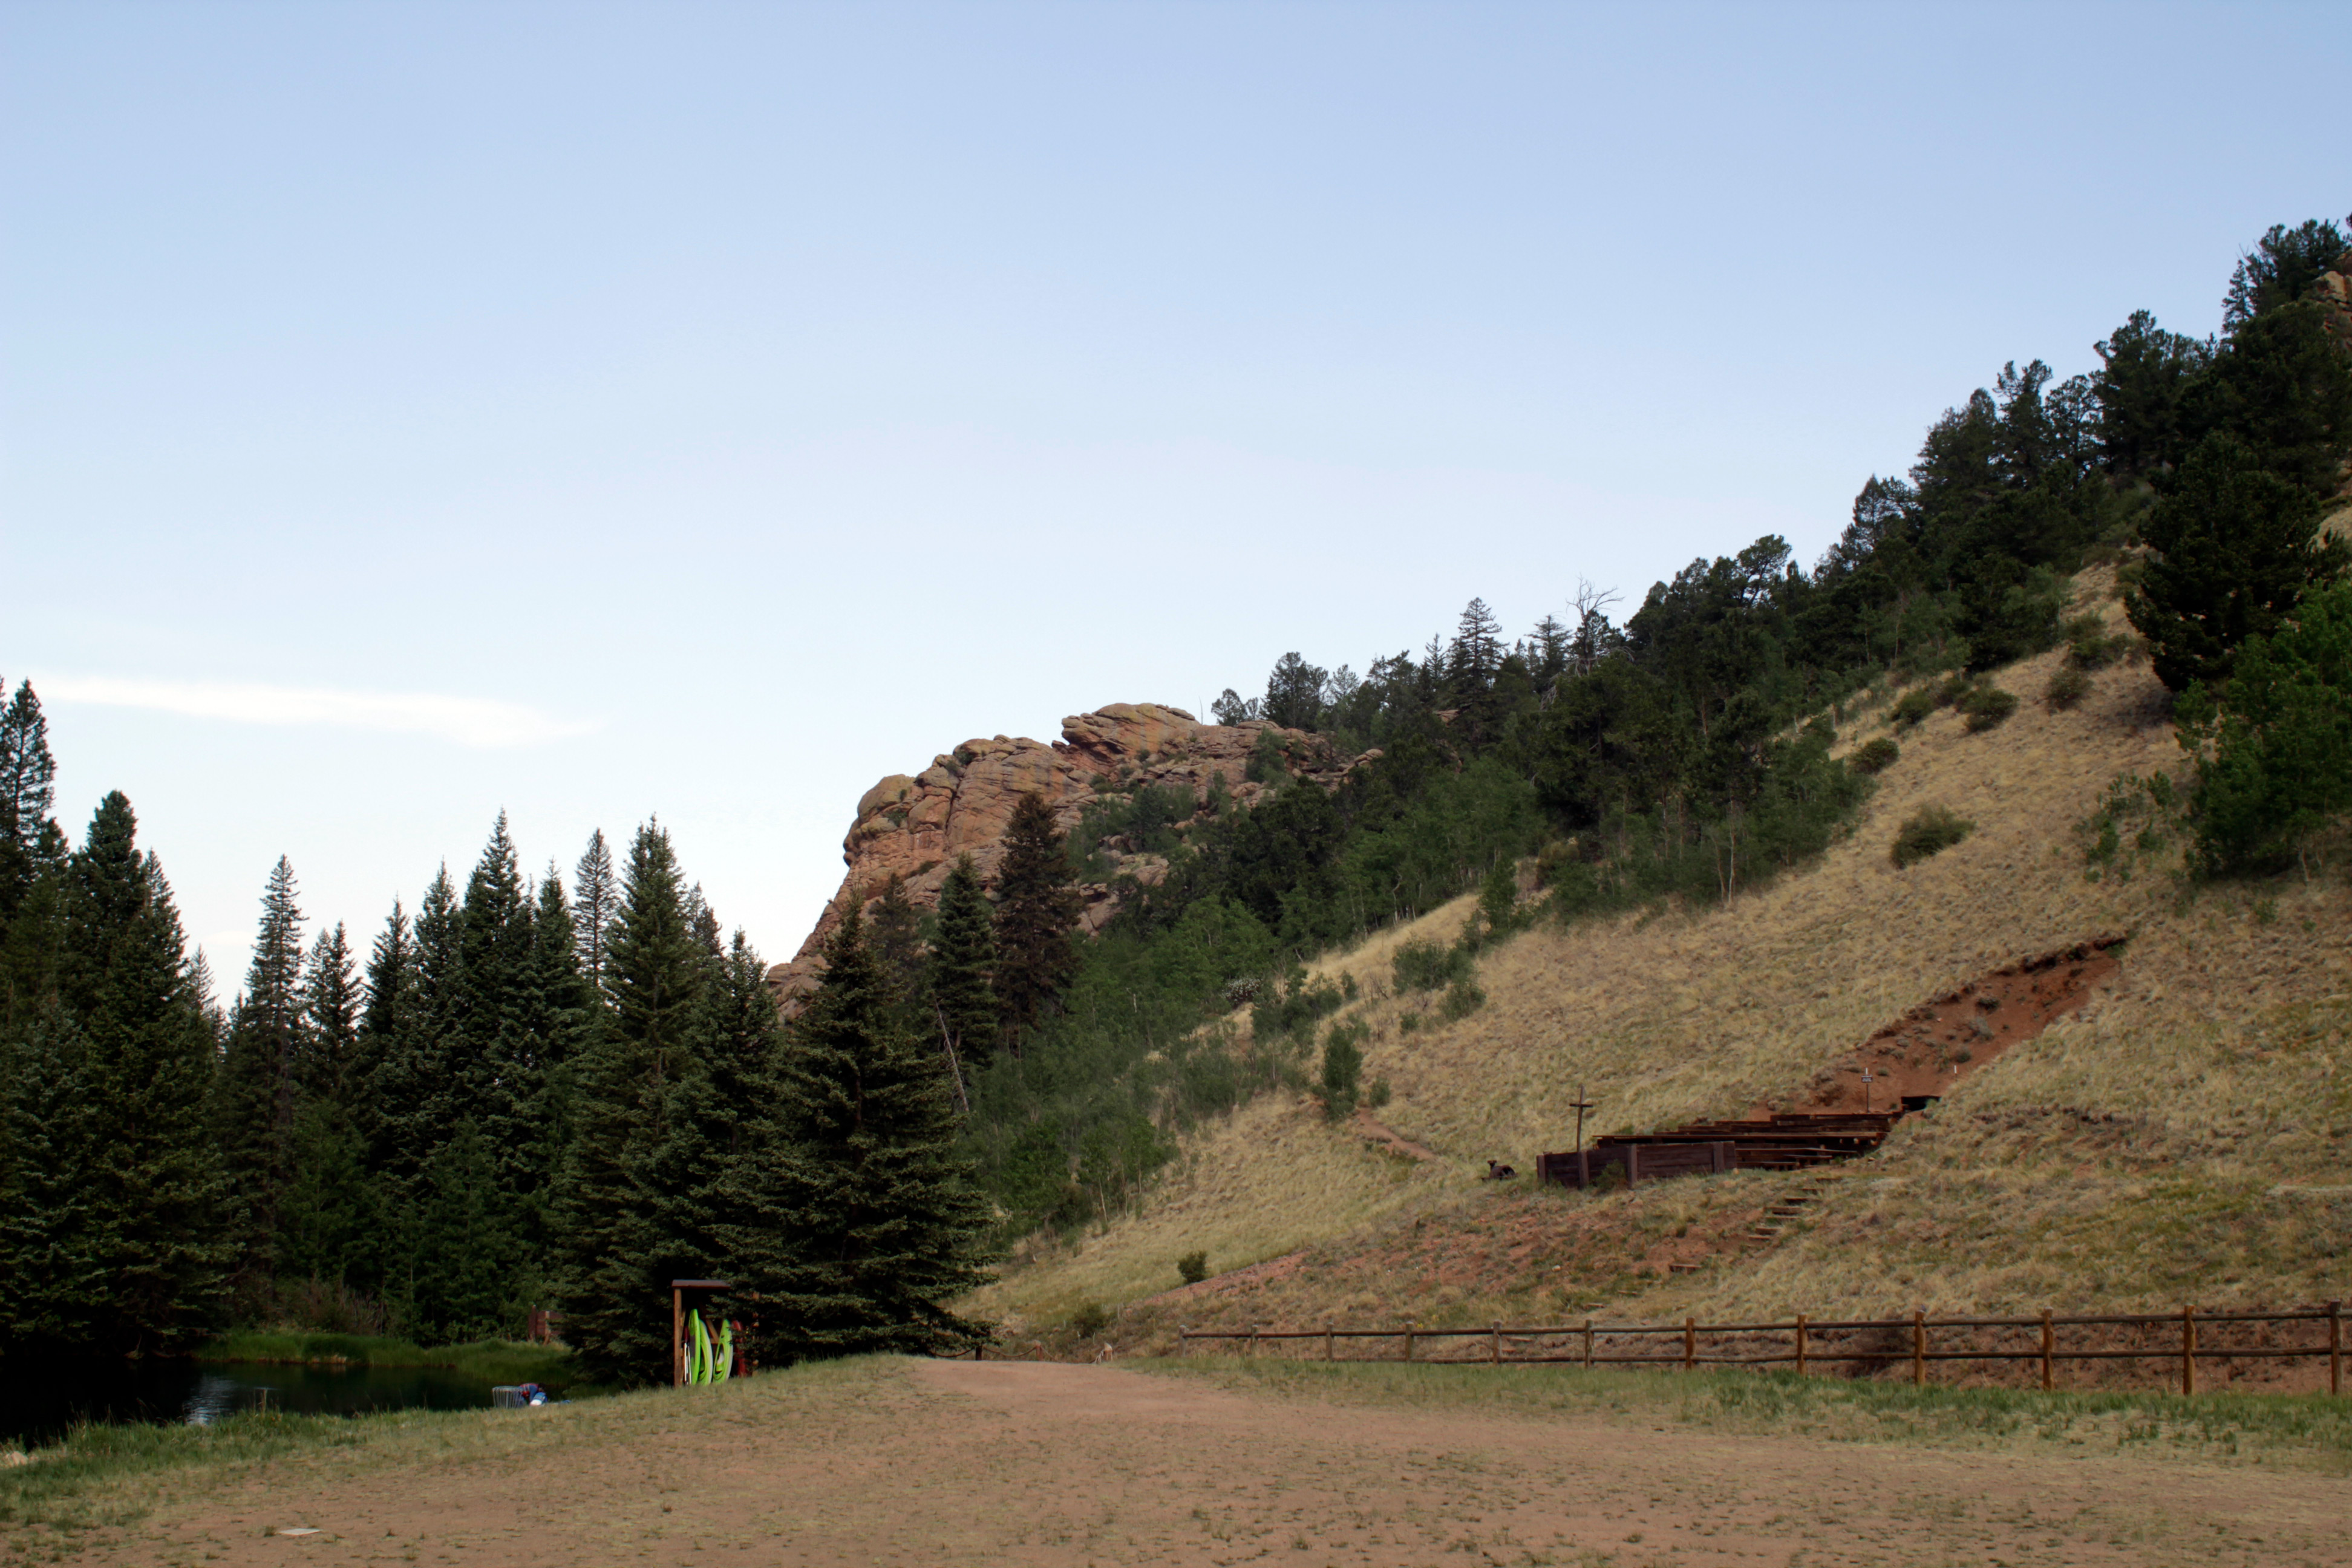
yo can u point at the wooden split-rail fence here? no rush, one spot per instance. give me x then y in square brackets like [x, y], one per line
[2184, 1338]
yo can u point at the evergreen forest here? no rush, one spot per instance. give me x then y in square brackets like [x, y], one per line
[531, 1091]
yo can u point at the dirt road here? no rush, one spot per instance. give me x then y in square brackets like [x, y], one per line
[941, 1462]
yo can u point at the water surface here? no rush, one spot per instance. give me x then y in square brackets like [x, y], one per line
[40, 1401]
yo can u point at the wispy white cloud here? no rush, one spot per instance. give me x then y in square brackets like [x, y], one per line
[468, 721]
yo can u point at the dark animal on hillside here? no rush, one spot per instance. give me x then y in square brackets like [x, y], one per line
[1497, 1173]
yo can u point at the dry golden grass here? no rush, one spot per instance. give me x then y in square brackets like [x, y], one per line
[2188, 1136]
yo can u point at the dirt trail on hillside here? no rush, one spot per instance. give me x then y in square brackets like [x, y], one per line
[1933, 1046]
[962, 1462]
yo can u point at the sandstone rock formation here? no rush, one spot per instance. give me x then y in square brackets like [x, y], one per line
[917, 824]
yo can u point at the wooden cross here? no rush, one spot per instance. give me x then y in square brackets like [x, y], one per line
[1580, 1106]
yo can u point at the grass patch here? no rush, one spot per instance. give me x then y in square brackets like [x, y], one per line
[2311, 1431]
[107, 1476]
[102, 1475]
[493, 1360]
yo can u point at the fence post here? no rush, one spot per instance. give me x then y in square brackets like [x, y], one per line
[1252, 1343]
[2046, 1337]
[2187, 1350]
[2334, 1347]
[1408, 1342]
[1326, 1342]
[1183, 1336]
[1919, 1348]
[1800, 1344]
[1690, 1342]
[1494, 1344]
[1588, 1344]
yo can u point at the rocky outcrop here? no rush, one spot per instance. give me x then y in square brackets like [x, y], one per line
[917, 824]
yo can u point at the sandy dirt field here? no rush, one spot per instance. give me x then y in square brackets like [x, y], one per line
[940, 1462]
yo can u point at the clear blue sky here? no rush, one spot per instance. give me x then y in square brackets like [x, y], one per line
[413, 411]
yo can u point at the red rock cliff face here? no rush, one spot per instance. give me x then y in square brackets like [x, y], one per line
[917, 826]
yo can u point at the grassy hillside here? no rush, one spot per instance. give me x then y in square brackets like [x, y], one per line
[2186, 1137]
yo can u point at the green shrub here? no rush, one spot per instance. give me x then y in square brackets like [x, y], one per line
[2137, 821]
[1874, 757]
[2274, 750]
[2067, 688]
[1192, 1267]
[1912, 706]
[1376, 1093]
[1498, 896]
[1343, 1065]
[1462, 999]
[1294, 1011]
[1425, 966]
[1408, 1022]
[1556, 857]
[2088, 646]
[1090, 1320]
[1929, 832]
[1987, 706]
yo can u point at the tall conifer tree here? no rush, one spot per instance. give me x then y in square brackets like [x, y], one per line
[861, 1225]
[963, 962]
[329, 1032]
[1036, 905]
[387, 1020]
[27, 789]
[110, 1230]
[2237, 546]
[255, 1098]
[615, 1249]
[594, 895]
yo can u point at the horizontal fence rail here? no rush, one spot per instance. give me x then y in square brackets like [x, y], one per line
[2183, 1337]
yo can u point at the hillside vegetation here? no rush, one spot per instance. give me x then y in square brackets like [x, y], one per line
[2187, 1136]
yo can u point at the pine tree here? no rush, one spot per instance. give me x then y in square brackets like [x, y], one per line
[329, 1022]
[720, 1119]
[592, 900]
[27, 789]
[2284, 387]
[52, 1222]
[615, 1249]
[253, 1100]
[436, 1070]
[1476, 651]
[898, 940]
[331, 1223]
[466, 1242]
[110, 1236]
[1294, 693]
[860, 1226]
[387, 1022]
[1547, 651]
[2284, 263]
[2236, 547]
[1036, 905]
[965, 1011]
[31, 947]
[492, 1007]
[702, 920]
[532, 1151]
[501, 1039]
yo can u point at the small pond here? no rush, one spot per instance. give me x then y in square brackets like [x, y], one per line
[39, 1403]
